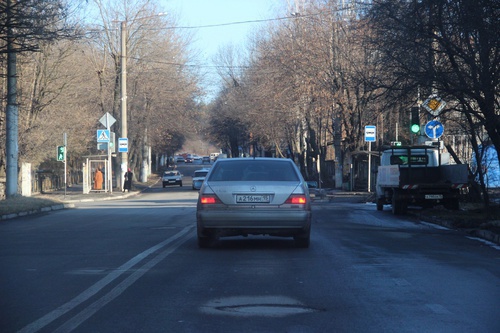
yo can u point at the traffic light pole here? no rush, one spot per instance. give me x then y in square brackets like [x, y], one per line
[65, 142]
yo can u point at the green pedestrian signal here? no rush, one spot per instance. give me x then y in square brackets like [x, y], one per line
[61, 151]
[415, 120]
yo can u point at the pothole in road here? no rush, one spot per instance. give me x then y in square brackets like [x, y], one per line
[266, 306]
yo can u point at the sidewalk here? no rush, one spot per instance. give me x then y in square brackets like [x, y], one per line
[74, 193]
[61, 199]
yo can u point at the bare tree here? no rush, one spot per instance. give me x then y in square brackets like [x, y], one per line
[450, 48]
[305, 77]
[55, 84]
[67, 86]
[24, 25]
[33, 22]
[160, 86]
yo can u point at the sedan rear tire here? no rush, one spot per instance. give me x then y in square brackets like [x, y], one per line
[303, 240]
[204, 242]
[205, 238]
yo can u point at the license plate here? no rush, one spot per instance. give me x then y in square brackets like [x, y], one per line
[171, 181]
[434, 196]
[245, 198]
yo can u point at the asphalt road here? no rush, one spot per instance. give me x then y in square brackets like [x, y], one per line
[133, 265]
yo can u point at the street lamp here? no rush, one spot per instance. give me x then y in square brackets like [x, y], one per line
[123, 90]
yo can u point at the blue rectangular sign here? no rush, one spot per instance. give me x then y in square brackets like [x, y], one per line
[370, 133]
[123, 145]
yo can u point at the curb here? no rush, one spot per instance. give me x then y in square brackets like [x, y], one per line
[479, 233]
[488, 235]
[123, 196]
[65, 205]
[37, 211]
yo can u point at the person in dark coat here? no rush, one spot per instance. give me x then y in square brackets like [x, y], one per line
[128, 180]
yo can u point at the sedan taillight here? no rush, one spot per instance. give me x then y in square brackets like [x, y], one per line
[296, 199]
[209, 199]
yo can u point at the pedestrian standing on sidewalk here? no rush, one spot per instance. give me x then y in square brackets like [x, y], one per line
[127, 185]
[98, 179]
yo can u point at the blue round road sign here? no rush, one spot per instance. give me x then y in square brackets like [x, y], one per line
[434, 129]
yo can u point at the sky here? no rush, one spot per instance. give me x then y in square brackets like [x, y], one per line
[209, 40]
[214, 12]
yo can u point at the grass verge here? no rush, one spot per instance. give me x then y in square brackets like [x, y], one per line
[470, 216]
[20, 204]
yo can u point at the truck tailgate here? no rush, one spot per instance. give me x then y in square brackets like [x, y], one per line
[432, 177]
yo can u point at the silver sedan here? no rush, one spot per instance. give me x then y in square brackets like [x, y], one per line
[254, 196]
[198, 178]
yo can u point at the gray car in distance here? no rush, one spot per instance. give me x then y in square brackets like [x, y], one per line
[254, 196]
[172, 177]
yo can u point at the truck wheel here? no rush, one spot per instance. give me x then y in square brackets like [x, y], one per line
[397, 204]
[404, 206]
[452, 204]
[396, 207]
[380, 204]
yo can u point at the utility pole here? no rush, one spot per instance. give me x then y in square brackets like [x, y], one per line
[123, 90]
[12, 111]
[123, 84]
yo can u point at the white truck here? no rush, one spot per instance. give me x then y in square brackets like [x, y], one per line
[213, 157]
[420, 176]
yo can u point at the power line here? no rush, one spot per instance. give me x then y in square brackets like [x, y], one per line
[243, 22]
[185, 64]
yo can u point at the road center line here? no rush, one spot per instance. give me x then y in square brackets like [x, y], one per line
[94, 289]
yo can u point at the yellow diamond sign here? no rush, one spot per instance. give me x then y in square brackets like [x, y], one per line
[434, 104]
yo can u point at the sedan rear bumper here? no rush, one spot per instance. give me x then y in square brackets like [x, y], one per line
[254, 219]
[171, 182]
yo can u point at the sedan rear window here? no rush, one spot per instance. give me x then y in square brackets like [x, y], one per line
[254, 170]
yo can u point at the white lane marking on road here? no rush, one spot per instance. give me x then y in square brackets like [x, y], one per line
[94, 289]
[438, 309]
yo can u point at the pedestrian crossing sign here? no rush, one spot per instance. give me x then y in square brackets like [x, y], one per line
[103, 135]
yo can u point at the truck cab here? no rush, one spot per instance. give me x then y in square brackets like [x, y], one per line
[414, 157]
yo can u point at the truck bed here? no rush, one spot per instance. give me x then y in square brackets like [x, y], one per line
[399, 176]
